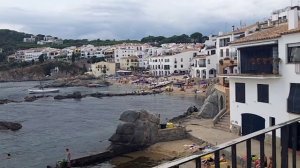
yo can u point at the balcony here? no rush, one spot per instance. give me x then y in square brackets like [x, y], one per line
[289, 139]
[259, 62]
[202, 65]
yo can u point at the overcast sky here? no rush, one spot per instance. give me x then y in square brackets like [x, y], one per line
[131, 19]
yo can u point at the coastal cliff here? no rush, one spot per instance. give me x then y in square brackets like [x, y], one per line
[40, 71]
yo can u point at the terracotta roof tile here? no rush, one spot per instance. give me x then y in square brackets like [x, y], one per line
[266, 34]
[241, 30]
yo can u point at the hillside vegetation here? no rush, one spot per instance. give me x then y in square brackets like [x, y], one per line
[41, 72]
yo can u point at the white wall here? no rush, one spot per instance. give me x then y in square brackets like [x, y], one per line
[186, 62]
[278, 90]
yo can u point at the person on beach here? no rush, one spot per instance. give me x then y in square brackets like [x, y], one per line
[68, 157]
[222, 158]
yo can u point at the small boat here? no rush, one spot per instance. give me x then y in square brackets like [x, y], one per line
[39, 91]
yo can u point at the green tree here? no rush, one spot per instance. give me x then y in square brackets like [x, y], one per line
[196, 37]
[204, 38]
[41, 58]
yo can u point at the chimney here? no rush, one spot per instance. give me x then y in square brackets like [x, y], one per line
[246, 33]
[293, 18]
[233, 28]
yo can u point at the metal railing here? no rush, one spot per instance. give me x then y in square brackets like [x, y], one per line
[284, 131]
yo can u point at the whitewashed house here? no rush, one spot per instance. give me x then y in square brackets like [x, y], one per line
[164, 65]
[267, 87]
[205, 64]
[29, 39]
[87, 51]
[32, 54]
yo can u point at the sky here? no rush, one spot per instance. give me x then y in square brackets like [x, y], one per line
[132, 19]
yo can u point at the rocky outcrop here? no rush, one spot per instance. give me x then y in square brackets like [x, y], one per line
[75, 95]
[189, 112]
[75, 81]
[138, 130]
[10, 126]
[5, 101]
[34, 98]
[210, 107]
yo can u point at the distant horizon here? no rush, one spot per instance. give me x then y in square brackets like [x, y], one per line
[131, 19]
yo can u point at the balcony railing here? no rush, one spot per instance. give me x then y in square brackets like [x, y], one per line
[284, 131]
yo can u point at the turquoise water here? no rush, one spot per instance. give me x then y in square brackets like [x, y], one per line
[84, 126]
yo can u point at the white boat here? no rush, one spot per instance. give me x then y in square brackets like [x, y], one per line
[37, 91]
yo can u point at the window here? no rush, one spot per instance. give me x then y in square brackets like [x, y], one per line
[175, 66]
[221, 52]
[293, 104]
[240, 92]
[263, 93]
[166, 67]
[213, 52]
[181, 59]
[294, 53]
[208, 61]
[181, 66]
[224, 42]
[227, 52]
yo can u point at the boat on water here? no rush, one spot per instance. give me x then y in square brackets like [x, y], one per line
[39, 91]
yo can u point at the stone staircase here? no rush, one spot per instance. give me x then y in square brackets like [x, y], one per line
[223, 123]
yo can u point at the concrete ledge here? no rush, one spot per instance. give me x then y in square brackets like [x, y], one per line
[171, 134]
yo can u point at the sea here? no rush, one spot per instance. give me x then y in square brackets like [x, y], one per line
[84, 126]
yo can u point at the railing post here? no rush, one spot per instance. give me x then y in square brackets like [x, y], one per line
[262, 151]
[284, 145]
[272, 123]
[249, 157]
[198, 162]
[217, 159]
[294, 140]
[233, 156]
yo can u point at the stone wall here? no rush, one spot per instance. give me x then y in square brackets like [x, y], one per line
[171, 134]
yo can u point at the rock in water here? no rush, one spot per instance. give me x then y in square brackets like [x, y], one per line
[10, 126]
[210, 107]
[138, 130]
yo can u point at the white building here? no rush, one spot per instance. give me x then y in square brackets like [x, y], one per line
[29, 40]
[165, 65]
[281, 15]
[50, 40]
[268, 84]
[132, 50]
[30, 55]
[87, 51]
[205, 64]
